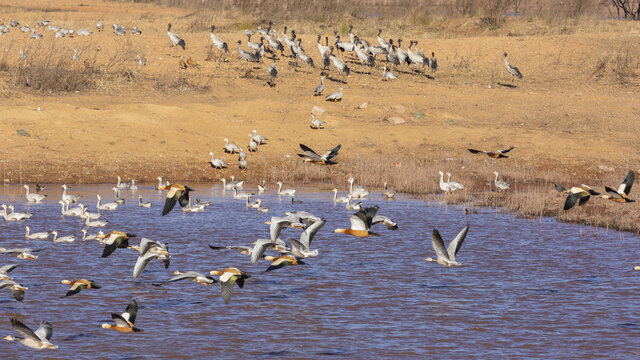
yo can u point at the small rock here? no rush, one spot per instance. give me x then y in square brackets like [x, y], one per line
[23, 133]
[398, 108]
[396, 120]
[364, 105]
[317, 111]
[606, 168]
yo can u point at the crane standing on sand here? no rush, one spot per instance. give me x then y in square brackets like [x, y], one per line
[176, 40]
[513, 70]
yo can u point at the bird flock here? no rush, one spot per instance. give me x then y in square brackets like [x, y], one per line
[271, 249]
[341, 55]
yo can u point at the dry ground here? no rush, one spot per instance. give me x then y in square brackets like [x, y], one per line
[569, 122]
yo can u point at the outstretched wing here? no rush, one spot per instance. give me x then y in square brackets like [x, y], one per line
[259, 249]
[172, 197]
[45, 331]
[23, 330]
[307, 235]
[455, 244]
[473, 151]
[141, 263]
[226, 288]
[130, 312]
[332, 153]
[438, 245]
[625, 187]
[506, 150]
[559, 188]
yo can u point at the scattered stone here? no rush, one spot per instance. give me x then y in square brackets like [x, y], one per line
[364, 105]
[317, 111]
[23, 133]
[606, 168]
[396, 120]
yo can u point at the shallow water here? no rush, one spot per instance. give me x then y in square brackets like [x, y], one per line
[530, 288]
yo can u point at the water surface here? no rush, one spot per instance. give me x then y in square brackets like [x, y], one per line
[530, 288]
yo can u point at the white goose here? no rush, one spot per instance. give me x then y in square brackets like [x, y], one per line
[146, 204]
[501, 185]
[122, 185]
[262, 188]
[107, 206]
[444, 186]
[241, 196]
[39, 236]
[350, 206]
[33, 197]
[95, 223]
[86, 214]
[67, 197]
[68, 238]
[64, 211]
[217, 163]
[341, 199]
[193, 208]
[357, 191]
[86, 237]
[116, 198]
[230, 147]
[454, 185]
[285, 192]
[14, 216]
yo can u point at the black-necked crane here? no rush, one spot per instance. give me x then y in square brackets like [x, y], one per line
[512, 69]
[217, 42]
[176, 40]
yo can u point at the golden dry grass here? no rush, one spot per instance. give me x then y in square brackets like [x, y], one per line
[572, 119]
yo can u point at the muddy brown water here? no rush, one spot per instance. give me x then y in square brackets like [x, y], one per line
[529, 288]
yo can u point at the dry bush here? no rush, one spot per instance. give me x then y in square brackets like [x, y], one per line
[623, 67]
[493, 12]
[52, 70]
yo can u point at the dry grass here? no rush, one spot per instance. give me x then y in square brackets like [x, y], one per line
[50, 69]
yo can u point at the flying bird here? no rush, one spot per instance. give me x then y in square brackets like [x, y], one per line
[38, 339]
[124, 322]
[447, 256]
[577, 194]
[313, 157]
[494, 154]
[621, 195]
[177, 193]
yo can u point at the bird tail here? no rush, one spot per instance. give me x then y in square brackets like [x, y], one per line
[182, 44]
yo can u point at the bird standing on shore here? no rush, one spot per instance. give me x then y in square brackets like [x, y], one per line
[512, 69]
[176, 40]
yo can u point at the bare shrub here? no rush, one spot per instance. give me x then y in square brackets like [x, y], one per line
[493, 12]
